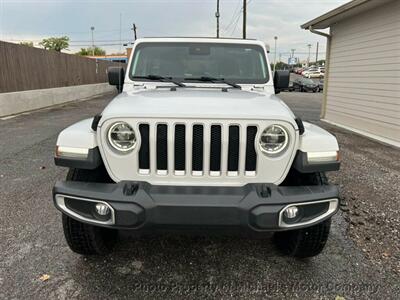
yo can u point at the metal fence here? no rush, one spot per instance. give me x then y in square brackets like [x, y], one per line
[26, 68]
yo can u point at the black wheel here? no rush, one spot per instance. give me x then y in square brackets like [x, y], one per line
[83, 238]
[303, 243]
[87, 239]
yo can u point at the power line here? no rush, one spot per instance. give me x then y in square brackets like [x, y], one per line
[236, 23]
[235, 12]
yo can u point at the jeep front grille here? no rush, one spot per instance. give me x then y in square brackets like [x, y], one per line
[198, 149]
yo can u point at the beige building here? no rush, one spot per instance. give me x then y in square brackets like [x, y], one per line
[362, 84]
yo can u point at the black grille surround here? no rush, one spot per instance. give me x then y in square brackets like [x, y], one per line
[185, 148]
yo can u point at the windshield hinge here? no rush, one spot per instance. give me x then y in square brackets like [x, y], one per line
[258, 87]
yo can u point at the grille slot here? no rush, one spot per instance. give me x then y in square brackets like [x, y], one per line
[180, 155]
[215, 148]
[162, 147]
[197, 148]
[251, 155]
[233, 149]
[144, 152]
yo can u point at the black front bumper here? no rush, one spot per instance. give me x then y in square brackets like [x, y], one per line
[139, 205]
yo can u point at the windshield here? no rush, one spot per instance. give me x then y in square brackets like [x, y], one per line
[308, 81]
[235, 63]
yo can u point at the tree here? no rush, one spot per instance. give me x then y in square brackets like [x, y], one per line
[89, 51]
[55, 43]
[29, 44]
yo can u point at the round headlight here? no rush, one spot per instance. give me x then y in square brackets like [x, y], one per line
[274, 140]
[122, 137]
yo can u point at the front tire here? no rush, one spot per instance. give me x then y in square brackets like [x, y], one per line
[87, 239]
[305, 242]
[83, 238]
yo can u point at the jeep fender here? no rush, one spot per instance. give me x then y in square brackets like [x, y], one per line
[77, 147]
[322, 146]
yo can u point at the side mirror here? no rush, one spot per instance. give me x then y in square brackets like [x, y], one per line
[281, 80]
[116, 77]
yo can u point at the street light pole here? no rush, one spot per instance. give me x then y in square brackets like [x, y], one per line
[309, 55]
[276, 40]
[92, 29]
[244, 18]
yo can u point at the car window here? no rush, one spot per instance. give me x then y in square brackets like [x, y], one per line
[308, 81]
[234, 62]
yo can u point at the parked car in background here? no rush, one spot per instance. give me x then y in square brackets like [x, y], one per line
[308, 71]
[321, 69]
[321, 85]
[305, 85]
[315, 74]
[290, 88]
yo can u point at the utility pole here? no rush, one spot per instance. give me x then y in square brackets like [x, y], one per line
[120, 32]
[276, 39]
[217, 16]
[309, 55]
[244, 18]
[92, 29]
[316, 57]
[291, 56]
[134, 31]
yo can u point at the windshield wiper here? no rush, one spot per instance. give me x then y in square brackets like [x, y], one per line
[162, 79]
[215, 80]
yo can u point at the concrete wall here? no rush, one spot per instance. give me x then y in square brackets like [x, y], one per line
[363, 93]
[18, 102]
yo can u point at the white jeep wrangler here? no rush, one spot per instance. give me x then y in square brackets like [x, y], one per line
[197, 139]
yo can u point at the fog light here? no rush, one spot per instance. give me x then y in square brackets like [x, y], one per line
[291, 212]
[102, 209]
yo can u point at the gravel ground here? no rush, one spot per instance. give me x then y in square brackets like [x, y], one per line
[369, 185]
[36, 262]
[370, 191]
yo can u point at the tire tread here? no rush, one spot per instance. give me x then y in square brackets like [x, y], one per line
[84, 238]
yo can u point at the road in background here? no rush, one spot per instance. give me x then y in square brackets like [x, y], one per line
[32, 243]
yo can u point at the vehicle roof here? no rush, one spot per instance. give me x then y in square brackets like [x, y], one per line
[202, 40]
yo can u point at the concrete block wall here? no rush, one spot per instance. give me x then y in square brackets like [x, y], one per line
[18, 102]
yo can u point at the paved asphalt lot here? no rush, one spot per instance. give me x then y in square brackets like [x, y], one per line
[32, 243]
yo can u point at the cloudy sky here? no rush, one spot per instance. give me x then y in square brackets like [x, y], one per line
[32, 20]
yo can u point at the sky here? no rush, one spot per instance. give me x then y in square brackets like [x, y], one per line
[33, 20]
